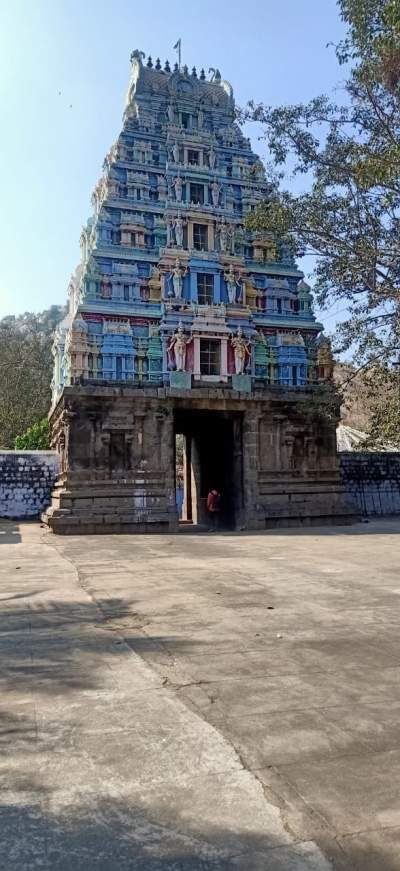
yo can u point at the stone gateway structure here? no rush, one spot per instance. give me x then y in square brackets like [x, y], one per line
[187, 333]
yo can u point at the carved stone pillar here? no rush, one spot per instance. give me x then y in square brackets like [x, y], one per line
[187, 479]
[139, 427]
[105, 453]
[224, 357]
[167, 445]
[196, 356]
[250, 466]
[279, 421]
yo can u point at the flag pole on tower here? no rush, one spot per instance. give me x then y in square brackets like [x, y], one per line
[178, 47]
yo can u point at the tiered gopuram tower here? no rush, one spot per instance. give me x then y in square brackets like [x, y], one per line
[181, 322]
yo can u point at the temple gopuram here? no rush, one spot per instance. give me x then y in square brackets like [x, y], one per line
[190, 357]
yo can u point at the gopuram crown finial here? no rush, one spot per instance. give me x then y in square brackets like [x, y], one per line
[137, 55]
[149, 61]
[215, 74]
[167, 67]
[158, 64]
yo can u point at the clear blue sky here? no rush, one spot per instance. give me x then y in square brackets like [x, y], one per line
[64, 69]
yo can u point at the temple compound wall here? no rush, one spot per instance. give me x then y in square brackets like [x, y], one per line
[184, 326]
[372, 481]
[26, 482]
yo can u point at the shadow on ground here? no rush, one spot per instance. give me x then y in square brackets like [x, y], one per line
[72, 831]
[52, 648]
[9, 532]
[115, 835]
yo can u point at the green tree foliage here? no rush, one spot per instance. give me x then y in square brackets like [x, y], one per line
[371, 402]
[349, 214]
[385, 401]
[36, 437]
[26, 367]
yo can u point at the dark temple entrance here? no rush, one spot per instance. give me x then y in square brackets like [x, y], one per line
[208, 455]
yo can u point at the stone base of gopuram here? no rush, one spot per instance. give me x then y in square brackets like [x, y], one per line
[271, 453]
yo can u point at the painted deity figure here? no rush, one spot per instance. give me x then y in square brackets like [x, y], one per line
[177, 183]
[212, 158]
[231, 283]
[175, 152]
[229, 199]
[178, 345]
[286, 253]
[171, 113]
[223, 236]
[241, 350]
[155, 283]
[178, 227]
[215, 191]
[200, 118]
[270, 250]
[178, 275]
[239, 236]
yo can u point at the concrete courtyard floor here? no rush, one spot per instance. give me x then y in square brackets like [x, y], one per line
[200, 703]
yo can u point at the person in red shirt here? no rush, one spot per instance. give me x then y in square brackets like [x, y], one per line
[214, 508]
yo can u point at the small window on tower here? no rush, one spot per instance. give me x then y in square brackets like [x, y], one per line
[210, 357]
[197, 193]
[193, 157]
[205, 289]
[126, 292]
[200, 237]
[186, 120]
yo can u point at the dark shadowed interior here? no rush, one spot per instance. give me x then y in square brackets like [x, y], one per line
[212, 458]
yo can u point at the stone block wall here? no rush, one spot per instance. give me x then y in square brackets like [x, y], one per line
[372, 480]
[26, 481]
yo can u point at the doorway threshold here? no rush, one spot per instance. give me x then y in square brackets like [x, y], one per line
[189, 527]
